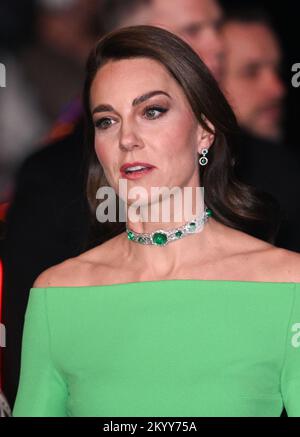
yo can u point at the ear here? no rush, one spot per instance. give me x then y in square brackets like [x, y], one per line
[205, 138]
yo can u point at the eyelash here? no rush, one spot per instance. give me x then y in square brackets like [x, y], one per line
[156, 108]
[160, 109]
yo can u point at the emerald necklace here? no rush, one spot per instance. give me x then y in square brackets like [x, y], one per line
[162, 237]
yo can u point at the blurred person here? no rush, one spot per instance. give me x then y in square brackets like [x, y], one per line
[253, 85]
[69, 26]
[198, 22]
[252, 80]
[117, 325]
[44, 72]
[54, 63]
[18, 105]
[18, 108]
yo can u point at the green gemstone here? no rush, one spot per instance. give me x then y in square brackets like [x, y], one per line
[209, 212]
[141, 240]
[130, 236]
[192, 226]
[160, 238]
[178, 234]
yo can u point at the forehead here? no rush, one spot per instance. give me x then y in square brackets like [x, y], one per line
[129, 78]
[246, 43]
[182, 12]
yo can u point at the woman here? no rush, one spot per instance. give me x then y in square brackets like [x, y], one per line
[190, 317]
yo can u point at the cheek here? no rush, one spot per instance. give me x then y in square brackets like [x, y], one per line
[246, 101]
[102, 153]
[105, 161]
[184, 140]
[181, 153]
[178, 133]
[241, 97]
[246, 90]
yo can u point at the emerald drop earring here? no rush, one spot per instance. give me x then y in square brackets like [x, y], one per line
[203, 160]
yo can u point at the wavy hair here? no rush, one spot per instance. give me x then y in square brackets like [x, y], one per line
[232, 202]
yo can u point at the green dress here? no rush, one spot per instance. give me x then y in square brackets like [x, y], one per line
[173, 348]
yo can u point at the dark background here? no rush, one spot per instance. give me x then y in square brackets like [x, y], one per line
[286, 23]
[17, 29]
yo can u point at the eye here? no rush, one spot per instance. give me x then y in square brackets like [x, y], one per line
[103, 123]
[153, 112]
[218, 25]
[192, 31]
[252, 71]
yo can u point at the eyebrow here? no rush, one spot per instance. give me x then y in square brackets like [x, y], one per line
[136, 101]
[198, 26]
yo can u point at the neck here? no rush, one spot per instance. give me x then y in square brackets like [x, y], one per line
[176, 257]
[166, 260]
[166, 214]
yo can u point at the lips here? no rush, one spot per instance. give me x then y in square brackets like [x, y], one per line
[135, 164]
[137, 174]
[134, 170]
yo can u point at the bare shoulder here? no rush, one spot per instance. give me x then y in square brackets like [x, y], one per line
[263, 261]
[273, 263]
[80, 270]
[285, 264]
[66, 273]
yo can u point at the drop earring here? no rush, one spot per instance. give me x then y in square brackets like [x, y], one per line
[203, 160]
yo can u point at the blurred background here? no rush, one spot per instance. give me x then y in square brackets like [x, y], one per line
[44, 45]
[285, 23]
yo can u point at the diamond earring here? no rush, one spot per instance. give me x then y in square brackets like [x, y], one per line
[203, 160]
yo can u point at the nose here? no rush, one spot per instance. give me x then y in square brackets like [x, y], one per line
[217, 55]
[128, 138]
[275, 85]
[278, 85]
[211, 50]
[216, 42]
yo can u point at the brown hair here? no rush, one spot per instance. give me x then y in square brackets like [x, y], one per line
[233, 203]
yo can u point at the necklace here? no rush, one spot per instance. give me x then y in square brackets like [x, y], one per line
[162, 237]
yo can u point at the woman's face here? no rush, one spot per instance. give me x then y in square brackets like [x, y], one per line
[142, 117]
